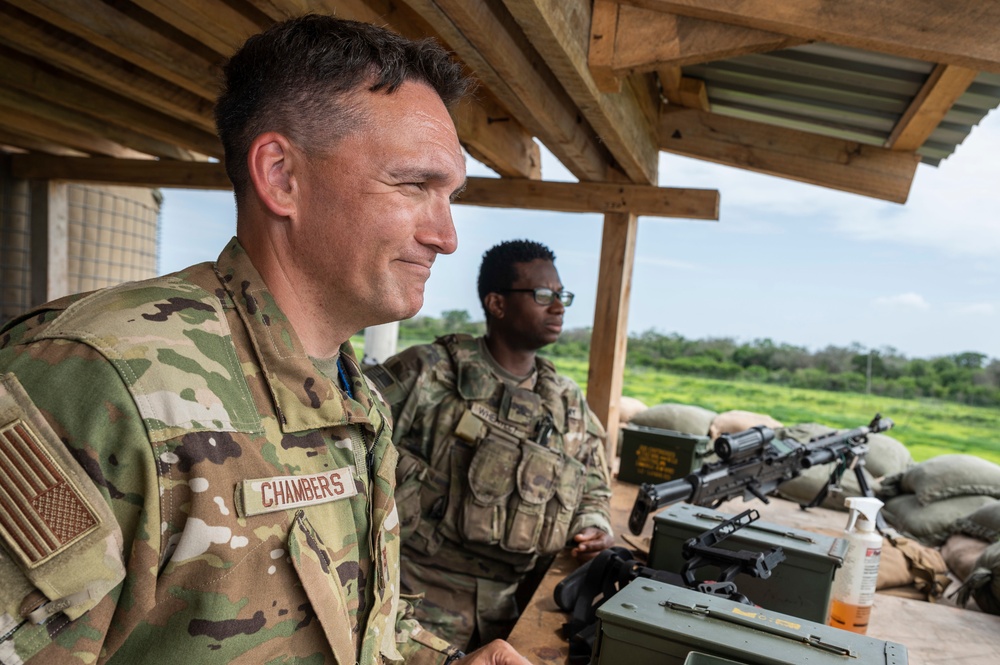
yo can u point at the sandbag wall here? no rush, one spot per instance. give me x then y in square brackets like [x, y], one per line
[113, 238]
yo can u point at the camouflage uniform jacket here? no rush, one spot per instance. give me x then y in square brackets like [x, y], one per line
[469, 446]
[224, 466]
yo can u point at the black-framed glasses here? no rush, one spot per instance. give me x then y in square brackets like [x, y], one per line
[545, 296]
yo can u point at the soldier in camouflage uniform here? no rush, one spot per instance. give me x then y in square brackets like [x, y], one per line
[501, 459]
[192, 468]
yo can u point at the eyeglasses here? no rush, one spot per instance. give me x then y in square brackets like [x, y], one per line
[545, 296]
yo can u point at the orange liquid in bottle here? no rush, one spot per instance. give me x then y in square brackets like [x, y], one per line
[850, 617]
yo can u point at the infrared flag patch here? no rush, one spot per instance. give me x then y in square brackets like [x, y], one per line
[41, 510]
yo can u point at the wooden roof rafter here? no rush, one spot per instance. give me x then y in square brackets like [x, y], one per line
[559, 30]
[489, 132]
[936, 97]
[491, 192]
[636, 40]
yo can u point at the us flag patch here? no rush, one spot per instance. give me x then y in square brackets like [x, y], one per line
[41, 511]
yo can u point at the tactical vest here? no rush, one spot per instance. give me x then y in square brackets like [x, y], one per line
[505, 486]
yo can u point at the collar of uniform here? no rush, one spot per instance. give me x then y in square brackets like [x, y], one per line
[306, 399]
[471, 364]
[551, 391]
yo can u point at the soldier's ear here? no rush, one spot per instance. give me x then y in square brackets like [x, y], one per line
[494, 304]
[273, 162]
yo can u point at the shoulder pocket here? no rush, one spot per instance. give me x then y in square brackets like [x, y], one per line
[58, 529]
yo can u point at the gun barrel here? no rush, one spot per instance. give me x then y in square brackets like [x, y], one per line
[651, 497]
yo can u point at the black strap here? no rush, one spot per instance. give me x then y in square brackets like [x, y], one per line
[582, 592]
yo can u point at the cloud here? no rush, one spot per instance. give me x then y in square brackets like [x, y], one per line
[666, 263]
[911, 300]
[951, 208]
[977, 308]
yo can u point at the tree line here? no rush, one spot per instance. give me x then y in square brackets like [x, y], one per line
[968, 378]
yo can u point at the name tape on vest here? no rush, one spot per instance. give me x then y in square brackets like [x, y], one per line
[268, 495]
[484, 412]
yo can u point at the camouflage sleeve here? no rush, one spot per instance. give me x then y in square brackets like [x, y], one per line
[84, 401]
[402, 381]
[416, 645]
[595, 507]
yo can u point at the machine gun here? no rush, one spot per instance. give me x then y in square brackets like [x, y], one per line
[752, 463]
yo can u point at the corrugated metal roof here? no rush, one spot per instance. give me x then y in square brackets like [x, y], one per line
[840, 92]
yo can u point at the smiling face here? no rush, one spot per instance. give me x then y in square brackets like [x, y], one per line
[375, 208]
[522, 322]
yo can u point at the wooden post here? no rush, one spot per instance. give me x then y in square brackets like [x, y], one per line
[49, 241]
[609, 340]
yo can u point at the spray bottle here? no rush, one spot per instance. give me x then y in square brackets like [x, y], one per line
[853, 590]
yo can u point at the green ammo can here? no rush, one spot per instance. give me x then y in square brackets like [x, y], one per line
[653, 455]
[799, 586]
[653, 622]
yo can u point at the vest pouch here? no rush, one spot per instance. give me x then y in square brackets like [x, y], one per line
[421, 498]
[491, 482]
[537, 475]
[560, 510]
[410, 472]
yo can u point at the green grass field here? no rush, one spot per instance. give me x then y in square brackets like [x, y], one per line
[926, 427]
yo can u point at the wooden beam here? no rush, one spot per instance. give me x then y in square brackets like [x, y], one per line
[491, 192]
[37, 79]
[507, 148]
[38, 39]
[138, 173]
[114, 31]
[683, 91]
[693, 94]
[18, 101]
[958, 32]
[647, 40]
[29, 143]
[559, 30]
[496, 139]
[279, 10]
[603, 197]
[819, 160]
[489, 41]
[24, 121]
[601, 54]
[217, 25]
[49, 241]
[609, 339]
[939, 93]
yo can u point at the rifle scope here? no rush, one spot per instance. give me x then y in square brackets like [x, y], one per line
[738, 446]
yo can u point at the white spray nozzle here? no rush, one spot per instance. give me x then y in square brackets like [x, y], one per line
[863, 506]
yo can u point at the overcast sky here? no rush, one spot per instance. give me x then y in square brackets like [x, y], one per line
[796, 263]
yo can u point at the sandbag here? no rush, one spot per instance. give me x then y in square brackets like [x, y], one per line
[683, 418]
[803, 432]
[960, 553]
[737, 421]
[886, 456]
[907, 563]
[983, 523]
[808, 484]
[628, 407]
[891, 486]
[930, 524]
[983, 583]
[952, 475]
